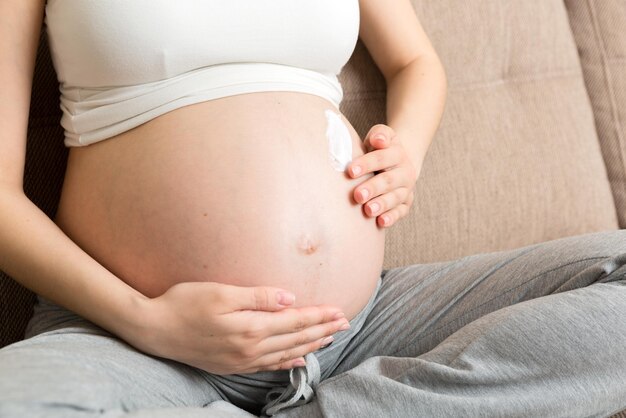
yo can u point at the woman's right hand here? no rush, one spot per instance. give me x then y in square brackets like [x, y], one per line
[227, 329]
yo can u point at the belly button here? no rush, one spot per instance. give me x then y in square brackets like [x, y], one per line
[306, 245]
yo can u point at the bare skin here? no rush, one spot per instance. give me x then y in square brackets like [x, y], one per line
[238, 190]
[163, 205]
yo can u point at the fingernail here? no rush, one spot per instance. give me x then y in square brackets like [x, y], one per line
[299, 363]
[356, 170]
[344, 326]
[380, 137]
[338, 315]
[286, 298]
[364, 194]
[374, 208]
[327, 341]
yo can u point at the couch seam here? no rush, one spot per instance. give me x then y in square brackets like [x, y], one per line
[501, 81]
[607, 81]
[574, 72]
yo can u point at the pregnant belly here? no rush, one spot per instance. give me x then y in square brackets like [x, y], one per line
[240, 190]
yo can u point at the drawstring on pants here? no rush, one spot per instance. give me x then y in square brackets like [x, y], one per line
[303, 382]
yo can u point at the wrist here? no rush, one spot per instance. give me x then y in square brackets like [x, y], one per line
[416, 146]
[138, 323]
[126, 316]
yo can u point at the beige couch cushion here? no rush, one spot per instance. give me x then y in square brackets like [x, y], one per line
[516, 159]
[598, 27]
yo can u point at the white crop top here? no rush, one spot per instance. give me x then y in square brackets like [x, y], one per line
[121, 63]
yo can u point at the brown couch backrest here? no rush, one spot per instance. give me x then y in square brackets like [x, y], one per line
[516, 159]
[598, 28]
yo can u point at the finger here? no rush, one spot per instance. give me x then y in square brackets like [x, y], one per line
[410, 199]
[258, 298]
[381, 183]
[281, 351]
[287, 365]
[386, 202]
[254, 326]
[377, 142]
[293, 320]
[376, 160]
[308, 337]
[389, 218]
[392, 216]
[291, 347]
[266, 366]
[379, 136]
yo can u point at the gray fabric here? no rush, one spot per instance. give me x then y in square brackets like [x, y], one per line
[303, 380]
[301, 389]
[539, 331]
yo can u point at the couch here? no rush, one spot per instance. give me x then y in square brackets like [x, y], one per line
[531, 146]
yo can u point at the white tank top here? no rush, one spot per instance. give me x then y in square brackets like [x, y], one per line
[121, 63]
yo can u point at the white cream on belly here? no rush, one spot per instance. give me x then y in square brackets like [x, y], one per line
[339, 141]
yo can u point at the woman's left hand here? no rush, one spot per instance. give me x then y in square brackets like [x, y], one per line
[389, 194]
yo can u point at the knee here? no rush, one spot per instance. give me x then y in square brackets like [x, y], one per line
[33, 391]
[606, 243]
[41, 378]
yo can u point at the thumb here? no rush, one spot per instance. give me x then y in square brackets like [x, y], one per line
[379, 136]
[262, 298]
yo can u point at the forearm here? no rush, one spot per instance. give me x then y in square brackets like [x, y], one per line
[38, 254]
[415, 102]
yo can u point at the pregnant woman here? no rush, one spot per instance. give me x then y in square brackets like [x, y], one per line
[220, 233]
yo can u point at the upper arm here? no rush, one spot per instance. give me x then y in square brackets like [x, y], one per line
[20, 28]
[392, 34]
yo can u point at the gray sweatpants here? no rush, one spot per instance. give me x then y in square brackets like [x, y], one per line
[538, 331]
